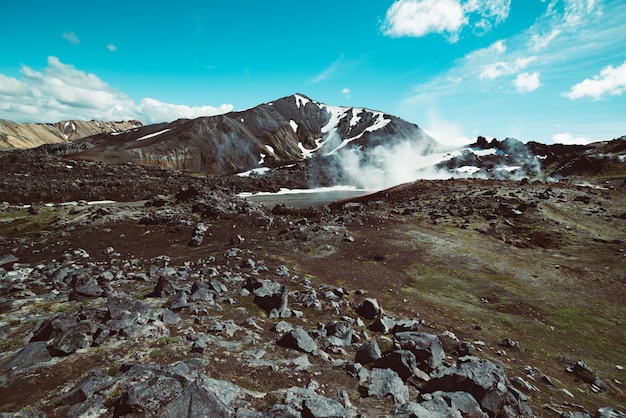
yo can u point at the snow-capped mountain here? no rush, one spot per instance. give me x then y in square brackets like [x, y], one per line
[286, 130]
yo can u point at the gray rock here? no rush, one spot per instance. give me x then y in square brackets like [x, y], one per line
[338, 333]
[609, 412]
[404, 325]
[271, 295]
[197, 401]
[401, 361]
[368, 353]
[179, 300]
[383, 325]
[31, 354]
[464, 348]
[90, 289]
[485, 381]
[201, 291]
[281, 411]
[94, 382]
[462, 402]
[8, 259]
[386, 382]
[298, 339]
[321, 407]
[150, 395]
[369, 309]
[427, 348]
[574, 414]
[74, 338]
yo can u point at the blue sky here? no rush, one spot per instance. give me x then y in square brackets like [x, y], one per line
[545, 70]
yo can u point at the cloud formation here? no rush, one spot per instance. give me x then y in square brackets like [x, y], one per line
[63, 92]
[111, 47]
[527, 82]
[330, 70]
[610, 82]
[417, 18]
[71, 38]
[567, 138]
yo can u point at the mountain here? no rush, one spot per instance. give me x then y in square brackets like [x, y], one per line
[29, 135]
[286, 130]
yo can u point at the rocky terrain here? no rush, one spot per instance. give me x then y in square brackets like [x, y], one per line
[455, 298]
[15, 135]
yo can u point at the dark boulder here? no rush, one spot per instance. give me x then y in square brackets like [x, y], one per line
[368, 353]
[271, 295]
[383, 325]
[369, 309]
[401, 361]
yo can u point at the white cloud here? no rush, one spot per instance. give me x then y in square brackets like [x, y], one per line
[610, 82]
[71, 38]
[417, 18]
[527, 82]
[10, 86]
[64, 92]
[346, 92]
[420, 17]
[330, 70]
[502, 68]
[539, 42]
[567, 138]
[155, 111]
[111, 47]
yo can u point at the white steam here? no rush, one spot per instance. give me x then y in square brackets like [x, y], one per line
[386, 166]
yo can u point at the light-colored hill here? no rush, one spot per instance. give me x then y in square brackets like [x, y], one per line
[15, 135]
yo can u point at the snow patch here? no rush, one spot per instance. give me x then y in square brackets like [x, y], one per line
[305, 191]
[257, 171]
[355, 117]
[294, 125]
[270, 149]
[468, 169]
[153, 134]
[301, 100]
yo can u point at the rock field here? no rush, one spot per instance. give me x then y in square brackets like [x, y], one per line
[455, 298]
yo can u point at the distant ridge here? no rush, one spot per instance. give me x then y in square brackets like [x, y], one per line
[15, 135]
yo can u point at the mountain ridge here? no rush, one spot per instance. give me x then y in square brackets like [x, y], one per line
[285, 130]
[14, 135]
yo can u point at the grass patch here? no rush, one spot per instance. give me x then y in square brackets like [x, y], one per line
[156, 353]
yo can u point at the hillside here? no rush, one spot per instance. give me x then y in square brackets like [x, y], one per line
[15, 135]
